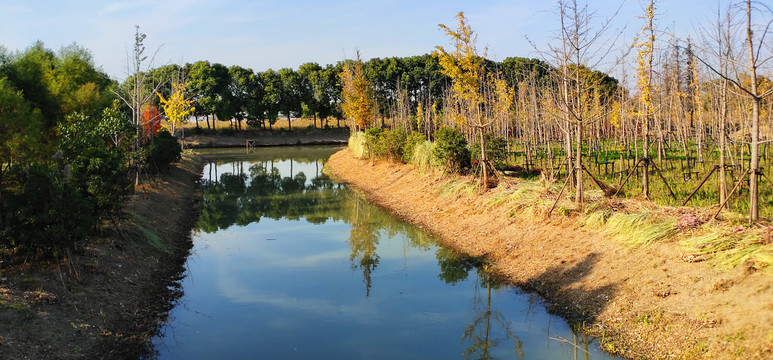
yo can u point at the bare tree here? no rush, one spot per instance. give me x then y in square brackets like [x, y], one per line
[137, 91]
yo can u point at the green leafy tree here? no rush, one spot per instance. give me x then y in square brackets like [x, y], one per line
[290, 94]
[272, 95]
[20, 127]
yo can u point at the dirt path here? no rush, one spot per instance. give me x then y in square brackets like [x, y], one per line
[108, 297]
[644, 302]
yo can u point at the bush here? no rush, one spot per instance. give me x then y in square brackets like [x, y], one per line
[451, 150]
[165, 149]
[496, 150]
[413, 140]
[40, 212]
[375, 146]
[99, 175]
[394, 143]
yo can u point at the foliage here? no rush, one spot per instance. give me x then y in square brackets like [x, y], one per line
[496, 149]
[165, 149]
[413, 140]
[375, 144]
[451, 150]
[358, 104]
[41, 212]
[99, 174]
[20, 126]
[394, 143]
[151, 122]
[176, 107]
[96, 149]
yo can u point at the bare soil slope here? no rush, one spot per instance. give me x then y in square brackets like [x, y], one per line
[646, 302]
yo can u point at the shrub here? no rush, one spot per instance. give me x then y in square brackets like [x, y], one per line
[40, 212]
[99, 175]
[411, 142]
[165, 149]
[451, 150]
[375, 146]
[496, 149]
[394, 143]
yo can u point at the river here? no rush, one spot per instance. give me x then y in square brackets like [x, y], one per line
[289, 264]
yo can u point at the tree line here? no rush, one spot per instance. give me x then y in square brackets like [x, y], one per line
[67, 147]
[683, 110]
[240, 96]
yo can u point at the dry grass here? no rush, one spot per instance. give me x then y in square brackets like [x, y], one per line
[631, 229]
[728, 247]
[422, 157]
[357, 144]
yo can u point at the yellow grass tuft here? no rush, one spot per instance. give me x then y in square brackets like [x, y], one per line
[357, 144]
[631, 229]
[728, 248]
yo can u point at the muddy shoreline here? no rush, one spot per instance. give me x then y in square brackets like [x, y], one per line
[645, 302]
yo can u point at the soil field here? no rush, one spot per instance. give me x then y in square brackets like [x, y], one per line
[106, 298]
[645, 302]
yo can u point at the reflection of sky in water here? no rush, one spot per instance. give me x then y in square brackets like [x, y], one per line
[281, 289]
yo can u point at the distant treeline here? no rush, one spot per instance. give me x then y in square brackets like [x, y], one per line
[312, 91]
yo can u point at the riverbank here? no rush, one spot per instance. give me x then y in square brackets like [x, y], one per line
[106, 299]
[258, 138]
[644, 302]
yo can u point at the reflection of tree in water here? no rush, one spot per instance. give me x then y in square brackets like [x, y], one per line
[362, 241]
[244, 197]
[454, 268]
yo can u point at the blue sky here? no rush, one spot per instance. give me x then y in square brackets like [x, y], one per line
[275, 34]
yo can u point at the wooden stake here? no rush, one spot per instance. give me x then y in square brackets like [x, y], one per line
[664, 181]
[705, 178]
[737, 184]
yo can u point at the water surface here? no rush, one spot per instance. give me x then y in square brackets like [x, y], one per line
[288, 264]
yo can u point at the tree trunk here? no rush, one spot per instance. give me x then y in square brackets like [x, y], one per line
[483, 160]
[755, 129]
[579, 195]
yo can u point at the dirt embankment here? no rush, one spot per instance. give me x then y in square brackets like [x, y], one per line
[258, 138]
[106, 300]
[644, 303]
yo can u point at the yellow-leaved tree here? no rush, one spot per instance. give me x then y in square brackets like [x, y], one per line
[477, 100]
[358, 104]
[176, 108]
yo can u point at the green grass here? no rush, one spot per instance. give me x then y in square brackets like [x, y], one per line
[143, 228]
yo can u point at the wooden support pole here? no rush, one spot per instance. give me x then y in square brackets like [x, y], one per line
[705, 178]
[627, 177]
[601, 186]
[737, 184]
[559, 195]
[664, 181]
